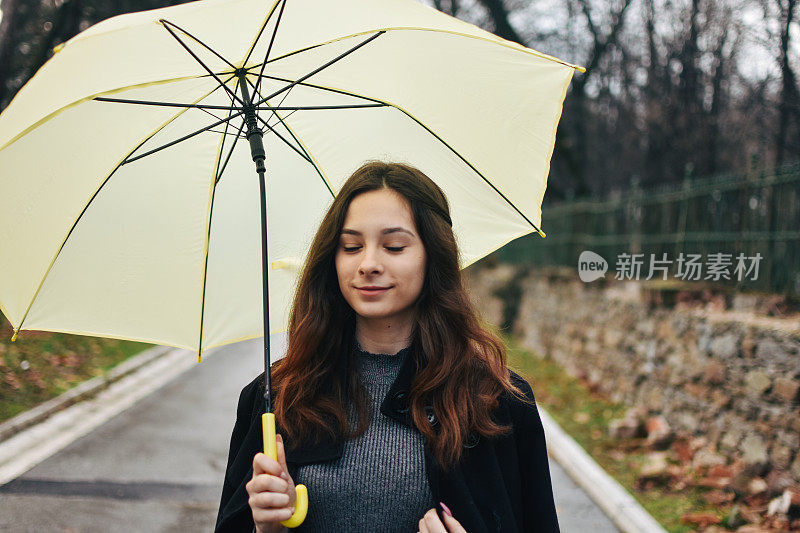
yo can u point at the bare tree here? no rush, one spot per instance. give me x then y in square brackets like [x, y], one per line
[603, 42]
[499, 17]
[789, 107]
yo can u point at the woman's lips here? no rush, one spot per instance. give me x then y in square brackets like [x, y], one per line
[373, 292]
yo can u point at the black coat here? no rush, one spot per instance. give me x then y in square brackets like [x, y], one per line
[500, 484]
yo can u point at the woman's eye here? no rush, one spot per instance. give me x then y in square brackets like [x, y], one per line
[356, 248]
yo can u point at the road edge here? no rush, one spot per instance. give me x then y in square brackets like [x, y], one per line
[79, 393]
[616, 502]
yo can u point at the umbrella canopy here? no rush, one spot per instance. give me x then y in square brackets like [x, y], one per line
[128, 204]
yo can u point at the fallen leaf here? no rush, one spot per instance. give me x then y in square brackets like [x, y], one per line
[701, 519]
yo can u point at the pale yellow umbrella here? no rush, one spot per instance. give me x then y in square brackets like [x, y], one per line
[129, 210]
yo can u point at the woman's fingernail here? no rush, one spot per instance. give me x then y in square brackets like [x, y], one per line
[446, 509]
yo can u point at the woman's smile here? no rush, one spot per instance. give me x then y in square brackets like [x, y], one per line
[373, 291]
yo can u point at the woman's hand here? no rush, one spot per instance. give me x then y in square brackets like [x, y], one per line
[272, 492]
[430, 523]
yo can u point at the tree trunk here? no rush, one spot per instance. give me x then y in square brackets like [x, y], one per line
[789, 91]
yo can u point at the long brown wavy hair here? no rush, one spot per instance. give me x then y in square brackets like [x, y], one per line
[461, 363]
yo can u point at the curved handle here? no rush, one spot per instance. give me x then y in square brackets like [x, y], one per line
[271, 449]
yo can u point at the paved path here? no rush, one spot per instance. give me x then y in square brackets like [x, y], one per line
[576, 511]
[158, 466]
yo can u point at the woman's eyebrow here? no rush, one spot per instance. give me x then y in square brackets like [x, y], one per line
[349, 231]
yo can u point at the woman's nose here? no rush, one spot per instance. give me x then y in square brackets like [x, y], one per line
[370, 262]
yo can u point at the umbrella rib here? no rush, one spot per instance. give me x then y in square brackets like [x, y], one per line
[320, 68]
[260, 31]
[228, 133]
[185, 137]
[296, 139]
[217, 175]
[429, 130]
[212, 192]
[207, 69]
[204, 107]
[165, 21]
[241, 112]
[310, 159]
[205, 110]
[281, 137]
[86, 207]
[256, 91]
[290, 54]
[225, 164]
[306, 49]
[330, 89]
[65, 107]
[317, 107]
[162, 104]
[470, 165]
[271, 42]
[225, 131]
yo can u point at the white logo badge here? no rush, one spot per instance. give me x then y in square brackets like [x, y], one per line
[591, 266]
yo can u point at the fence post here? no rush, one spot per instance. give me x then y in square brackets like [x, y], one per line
[684, 209]
[636, 217]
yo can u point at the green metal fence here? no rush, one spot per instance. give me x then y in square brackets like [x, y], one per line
[729, 225]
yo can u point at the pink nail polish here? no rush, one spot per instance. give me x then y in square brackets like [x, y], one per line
[446, 509]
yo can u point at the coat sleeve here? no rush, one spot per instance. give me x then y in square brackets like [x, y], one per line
[234, 512]
[539, 510]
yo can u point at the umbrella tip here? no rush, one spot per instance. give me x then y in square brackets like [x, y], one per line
[540, 232]
[14, 336]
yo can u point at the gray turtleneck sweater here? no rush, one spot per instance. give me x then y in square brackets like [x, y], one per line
[379, 483]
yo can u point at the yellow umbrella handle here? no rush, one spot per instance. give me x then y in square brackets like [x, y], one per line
[271, 449]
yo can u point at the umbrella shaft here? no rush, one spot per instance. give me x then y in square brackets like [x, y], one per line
[256, 138]
[265, 284]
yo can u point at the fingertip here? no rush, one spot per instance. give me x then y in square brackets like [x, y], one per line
[446, 509]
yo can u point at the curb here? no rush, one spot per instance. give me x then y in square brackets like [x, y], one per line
[92, 404]
[616, 502]
[81, 392]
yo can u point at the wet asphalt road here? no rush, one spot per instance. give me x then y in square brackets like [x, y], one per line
[158, 467]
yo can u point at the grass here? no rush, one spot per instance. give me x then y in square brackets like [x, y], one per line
[41, 365]
[585, 415]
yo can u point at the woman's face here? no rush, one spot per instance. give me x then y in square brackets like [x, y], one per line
[380, 261]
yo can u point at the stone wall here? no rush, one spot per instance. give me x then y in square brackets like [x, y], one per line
[726, 375]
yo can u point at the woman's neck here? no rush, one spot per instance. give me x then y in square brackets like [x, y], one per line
[377, 336]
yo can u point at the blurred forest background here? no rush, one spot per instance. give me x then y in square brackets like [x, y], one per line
[671, 86]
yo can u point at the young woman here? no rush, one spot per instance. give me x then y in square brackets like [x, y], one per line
[393, 404]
